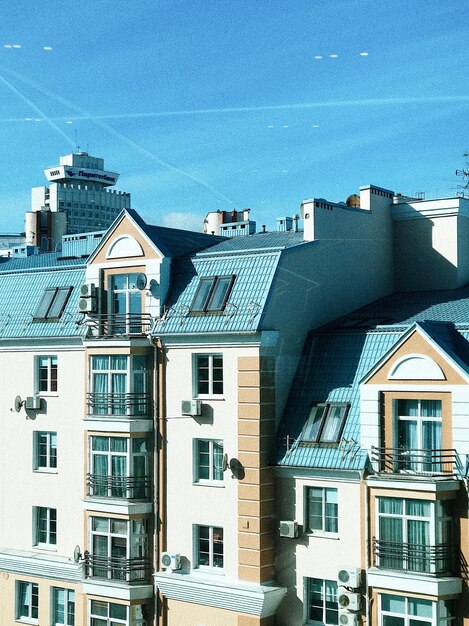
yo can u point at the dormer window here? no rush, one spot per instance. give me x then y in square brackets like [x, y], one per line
[325, 422]
[212, 294]
[52, 303]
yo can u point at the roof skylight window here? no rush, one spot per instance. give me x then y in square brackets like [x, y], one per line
[325, 422]
[52, 303]
[212, 294]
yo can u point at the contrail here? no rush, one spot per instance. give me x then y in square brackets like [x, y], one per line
[37, 109]
[84, 115]
[254, 109]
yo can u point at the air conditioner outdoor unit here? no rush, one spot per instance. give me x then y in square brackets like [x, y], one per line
[88, 290]
[33, 403]
[170, 561]
[348, 619]
[349, 577]
[350, 600]
[289, 529]
[191, 407]
[87, 305]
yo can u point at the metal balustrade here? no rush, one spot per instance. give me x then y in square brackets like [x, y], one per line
[112, 324]
[120, 404]
[423, 462]
[137, 488]
[117, 568]
[440, 559]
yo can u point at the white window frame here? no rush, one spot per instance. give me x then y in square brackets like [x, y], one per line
[129, 455]
[115, 621]
[440, 613]
[48, 436]
[212, 479]
[416, 465]
[307, 583]
[212, 531]
[324, 492]
[33, 591]
[69, 598]
[50, 529]
[129, 290]
[195, 369]
[51, 360]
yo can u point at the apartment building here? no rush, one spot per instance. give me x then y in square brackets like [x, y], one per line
[195, 451]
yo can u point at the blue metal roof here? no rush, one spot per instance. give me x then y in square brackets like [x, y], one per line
[253, 278]
[257, 242]
[22, 284]
[336, 358]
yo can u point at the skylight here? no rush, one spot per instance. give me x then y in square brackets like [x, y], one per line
[325, 422]
[52, 303]
[212, 294]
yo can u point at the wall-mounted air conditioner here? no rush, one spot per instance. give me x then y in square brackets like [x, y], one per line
[348, 619]
[349, 577]
[288, 528]
[88, 291]
[33, 403]
[350, 600]
[191, 407]
[87, 305]
[170, 561]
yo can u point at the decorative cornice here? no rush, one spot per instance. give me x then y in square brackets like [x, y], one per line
[41, 566]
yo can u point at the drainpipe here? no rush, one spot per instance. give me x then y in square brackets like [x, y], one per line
[160, 470]
[367, 549]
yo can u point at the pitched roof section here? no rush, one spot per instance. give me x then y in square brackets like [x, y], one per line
[22, 285]
[174, 242]
[258, 242]
[253, 276]
[336, 359]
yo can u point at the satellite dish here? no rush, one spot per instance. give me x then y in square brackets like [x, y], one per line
[141, 281]
[18, 403]
[77, 554]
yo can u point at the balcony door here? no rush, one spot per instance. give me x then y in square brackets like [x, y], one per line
[419, 436]
[125, 304]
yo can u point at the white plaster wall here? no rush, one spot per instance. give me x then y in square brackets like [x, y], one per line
[369, 416]
[189, 503]
[21, 488]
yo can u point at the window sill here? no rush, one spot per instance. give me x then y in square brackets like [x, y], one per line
[210, 398]
[45, 470]
[323, 535]
[26, 620]
[218, 484]
[47, 394]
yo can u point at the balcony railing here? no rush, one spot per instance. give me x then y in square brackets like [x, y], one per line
[423, 462]
[136, 570]
[113, 324]
[122, 487]
[120, 404]
[440, 559]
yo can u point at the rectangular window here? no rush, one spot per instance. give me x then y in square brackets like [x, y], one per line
[46, 374]
[27, 601]
[209, 546]
[52, 303]
[119, 467]
[45, 524]
[45, 450]
[325, 422]
[208, 460]
[63, 607]
[119, 385]
[403, 611]
[108, 613]
[212, 294]
[321, 510]
[125, 304]
[321, 601]
[208, 375]
[414, 535]
[419, 437]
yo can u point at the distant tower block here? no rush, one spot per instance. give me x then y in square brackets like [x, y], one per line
[77, 200]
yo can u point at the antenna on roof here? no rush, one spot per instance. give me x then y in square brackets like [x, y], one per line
[464, 173]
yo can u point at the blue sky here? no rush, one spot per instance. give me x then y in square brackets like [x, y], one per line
[217, 104]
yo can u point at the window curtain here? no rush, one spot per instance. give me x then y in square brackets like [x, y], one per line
[331, 511]
[217, 461]
[391, 535]
[418, 536]
[333, 424]
[100, 465]
[59, 606]
[100, 365]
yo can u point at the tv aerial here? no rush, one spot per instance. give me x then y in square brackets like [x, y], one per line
[464, 173]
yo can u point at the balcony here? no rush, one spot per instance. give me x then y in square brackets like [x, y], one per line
[124, 405]
[106, 325]
[417, 462]
[121, 487]
[135, 570]
[437, 560]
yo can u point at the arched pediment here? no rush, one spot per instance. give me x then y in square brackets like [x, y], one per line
[416, 367]
[123, 247]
